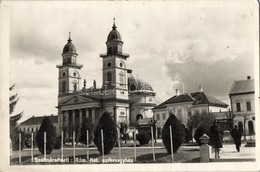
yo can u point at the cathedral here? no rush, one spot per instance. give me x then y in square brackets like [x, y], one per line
[124, 95]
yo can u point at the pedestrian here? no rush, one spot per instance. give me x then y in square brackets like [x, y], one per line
[215, 140]
[236, 135]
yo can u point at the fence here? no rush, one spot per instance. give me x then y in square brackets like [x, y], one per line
[120, 149]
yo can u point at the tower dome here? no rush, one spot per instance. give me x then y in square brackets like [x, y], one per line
[69, 48]
[114, 35]
[136, 84]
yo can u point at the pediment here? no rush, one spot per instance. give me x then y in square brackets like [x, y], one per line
[76, 100]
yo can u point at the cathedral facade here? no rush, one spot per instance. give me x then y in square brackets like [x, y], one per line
[125, 96]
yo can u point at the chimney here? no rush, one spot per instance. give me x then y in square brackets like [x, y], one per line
[248, 77]
[201, 88]
[177, 92]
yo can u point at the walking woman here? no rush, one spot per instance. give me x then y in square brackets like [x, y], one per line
[215, 140]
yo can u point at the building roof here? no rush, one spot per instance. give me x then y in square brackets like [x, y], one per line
[242, 87]
[197, 98]
[175, 99]
[114, 35]
[202, 98]
[37, 120]
[69, 48]
[137, 84]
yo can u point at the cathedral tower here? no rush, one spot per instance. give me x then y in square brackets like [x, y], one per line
[69, 76]
[114, 66]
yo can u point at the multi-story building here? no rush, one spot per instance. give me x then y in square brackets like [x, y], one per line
[242, 100]
[122, 94]
[33, 124]
[185, 105]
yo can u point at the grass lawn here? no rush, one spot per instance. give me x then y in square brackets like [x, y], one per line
[143, 155]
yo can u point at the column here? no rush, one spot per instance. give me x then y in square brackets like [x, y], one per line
[67, 123]
[73, 120]
[80, 117]
[87, 114]
[115, 114]
[93, 114]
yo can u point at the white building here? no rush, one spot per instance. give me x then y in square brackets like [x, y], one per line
[185, 105]
[32, 125]
[242, 100]
[122, 94]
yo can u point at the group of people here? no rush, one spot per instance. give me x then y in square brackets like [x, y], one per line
[216, 139]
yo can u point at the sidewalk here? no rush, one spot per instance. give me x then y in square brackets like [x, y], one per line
[229, 154]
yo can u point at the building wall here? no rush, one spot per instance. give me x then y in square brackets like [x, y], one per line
[181, 111]
[217, 109]
[244, 117]
[141, 104]
[201, 109]
[28, 129]
[242, 99]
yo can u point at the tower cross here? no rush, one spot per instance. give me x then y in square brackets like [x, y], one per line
[69, 36]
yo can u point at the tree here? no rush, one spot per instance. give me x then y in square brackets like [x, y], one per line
[143, 138]
[86, 125]
[47, 127]
[14, 118]
[109, 133]
[202, 123]
[177, 133]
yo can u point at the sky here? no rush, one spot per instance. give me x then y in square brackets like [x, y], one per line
[172, 44]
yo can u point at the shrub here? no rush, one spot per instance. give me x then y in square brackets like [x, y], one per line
[143, 138]
[177, 133]
[57, 143]
[86, 125]
[109, 133]
[202, 129]
[14, 136]
[47, 127]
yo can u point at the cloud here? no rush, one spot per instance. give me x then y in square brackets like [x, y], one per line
[208, 45]
[216, 77]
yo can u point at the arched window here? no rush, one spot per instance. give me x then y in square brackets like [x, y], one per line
[109, 50]
[122, 78]
[75, 86]
[109, 76]
[63, 87]
[139, 116]
[115, 50]
[251, 128]
[240, 126]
